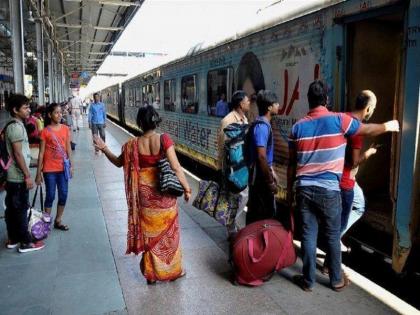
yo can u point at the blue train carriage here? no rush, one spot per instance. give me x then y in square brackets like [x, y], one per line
[110, 97]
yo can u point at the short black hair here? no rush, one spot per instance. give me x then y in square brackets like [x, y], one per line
[148, 118]
[237, 98]
[95, 94]
[317, 94]
[265, 99]
[16, 101]
[362, 100]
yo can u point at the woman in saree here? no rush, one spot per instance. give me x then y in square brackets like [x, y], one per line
[153, 225]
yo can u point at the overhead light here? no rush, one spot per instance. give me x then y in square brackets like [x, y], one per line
[31, 17]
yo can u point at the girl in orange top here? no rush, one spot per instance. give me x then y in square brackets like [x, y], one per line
[54, 147]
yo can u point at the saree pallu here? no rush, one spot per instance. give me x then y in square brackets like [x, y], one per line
[153, 227]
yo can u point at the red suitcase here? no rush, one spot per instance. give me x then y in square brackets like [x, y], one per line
[260, 249]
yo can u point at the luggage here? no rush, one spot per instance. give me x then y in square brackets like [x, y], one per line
[236, 168]
[207, 196]
[39, 222]
[259, 250]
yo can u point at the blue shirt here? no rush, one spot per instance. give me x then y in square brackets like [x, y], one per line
[262, 136]
[222, 108]
[97, 113]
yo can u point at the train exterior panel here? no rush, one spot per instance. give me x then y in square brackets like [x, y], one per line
[110, 97]
[352, 45]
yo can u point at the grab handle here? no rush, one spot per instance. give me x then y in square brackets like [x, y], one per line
[251, 248]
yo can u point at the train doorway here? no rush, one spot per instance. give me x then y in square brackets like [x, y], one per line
[373, 59]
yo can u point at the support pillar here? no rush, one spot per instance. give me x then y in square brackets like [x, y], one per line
[40, 62]
[50, 73]
[16, 22]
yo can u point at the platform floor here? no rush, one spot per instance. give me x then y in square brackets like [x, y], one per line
[85, 271]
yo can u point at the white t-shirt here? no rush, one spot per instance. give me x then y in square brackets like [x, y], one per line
[76, 102]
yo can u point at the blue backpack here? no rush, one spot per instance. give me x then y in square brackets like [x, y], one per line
[236, 169]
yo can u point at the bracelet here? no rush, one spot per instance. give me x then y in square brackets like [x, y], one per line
[188, 191]
[27, 177]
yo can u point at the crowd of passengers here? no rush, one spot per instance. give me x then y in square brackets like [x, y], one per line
[324, 154]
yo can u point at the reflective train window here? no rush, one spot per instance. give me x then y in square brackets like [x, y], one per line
[156, 100]
[219, 91]
[144, 95]
[189, 98]
[138, 96]
[169, 95]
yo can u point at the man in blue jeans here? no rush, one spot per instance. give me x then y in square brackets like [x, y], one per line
[316, 151]
[97, 118]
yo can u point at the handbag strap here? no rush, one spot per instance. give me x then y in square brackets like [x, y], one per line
[41, 198]
[59, 145]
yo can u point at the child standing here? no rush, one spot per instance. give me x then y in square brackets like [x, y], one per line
[55, 148]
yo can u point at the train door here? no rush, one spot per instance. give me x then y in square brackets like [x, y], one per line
[374, 50]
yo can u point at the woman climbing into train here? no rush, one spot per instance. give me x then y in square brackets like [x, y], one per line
[153, 227]
[54, 154]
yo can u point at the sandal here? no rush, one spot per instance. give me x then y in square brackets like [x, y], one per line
[300, 281]
[59, 226]
[341, 287]
[150, 282]
[183, 274]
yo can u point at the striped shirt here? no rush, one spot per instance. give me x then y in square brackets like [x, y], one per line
[320, 144]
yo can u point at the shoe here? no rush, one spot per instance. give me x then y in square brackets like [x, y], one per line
[10, 245]
[31, 247]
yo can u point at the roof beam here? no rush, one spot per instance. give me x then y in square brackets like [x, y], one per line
[100, 28]
[110, 2]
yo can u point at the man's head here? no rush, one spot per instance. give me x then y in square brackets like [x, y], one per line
[240, 101]
[223, 96]
[317, 94]
[365, 103]
[96, 97]
[267, 102]
[18, 106]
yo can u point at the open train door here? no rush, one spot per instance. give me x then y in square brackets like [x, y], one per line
[374, 50]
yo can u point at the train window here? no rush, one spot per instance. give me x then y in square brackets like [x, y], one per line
[189, 99]
[169, 95]
[219, 91]
[156, 92]
[138, 96]
[144, 95]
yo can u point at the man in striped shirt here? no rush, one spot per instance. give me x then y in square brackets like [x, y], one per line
[317, 146]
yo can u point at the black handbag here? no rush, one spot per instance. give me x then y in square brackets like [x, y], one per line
[168, 181]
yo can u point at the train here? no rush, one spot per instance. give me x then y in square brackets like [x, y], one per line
[351, 45]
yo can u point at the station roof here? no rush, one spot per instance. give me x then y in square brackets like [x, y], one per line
[83, 31]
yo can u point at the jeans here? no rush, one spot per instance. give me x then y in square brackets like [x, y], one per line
[318, 205]
[52, 181]
[347, 196]
[357, 208]
[98, 128]
[16, 214]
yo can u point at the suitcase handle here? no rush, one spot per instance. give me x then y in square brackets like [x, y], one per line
[251, 248]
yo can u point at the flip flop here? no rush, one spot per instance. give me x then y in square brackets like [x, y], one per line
[60, 226]
[300, 281]
[345, 284]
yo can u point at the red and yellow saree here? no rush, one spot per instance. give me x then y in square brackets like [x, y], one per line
[153, 227]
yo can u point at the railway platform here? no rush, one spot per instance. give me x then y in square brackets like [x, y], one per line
[85, 270]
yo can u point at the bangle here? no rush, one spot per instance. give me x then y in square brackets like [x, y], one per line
[187, 191]
[27, 177]
[104, 148]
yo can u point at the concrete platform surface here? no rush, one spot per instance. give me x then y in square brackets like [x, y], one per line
[85, 271]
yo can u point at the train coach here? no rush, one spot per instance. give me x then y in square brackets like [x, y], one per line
[352, 45]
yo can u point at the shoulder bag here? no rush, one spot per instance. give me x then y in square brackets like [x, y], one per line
[168, 181]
